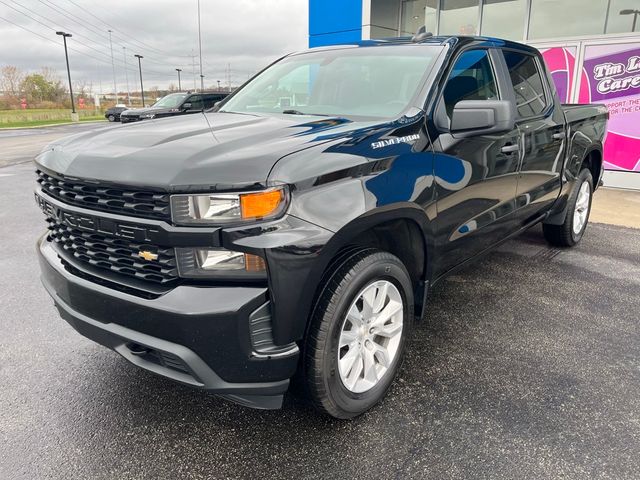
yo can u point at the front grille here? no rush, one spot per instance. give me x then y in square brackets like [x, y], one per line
[120, 200]
[116, 254]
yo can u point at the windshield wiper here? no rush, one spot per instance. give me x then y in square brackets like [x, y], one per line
[298, 112]
[293, 112]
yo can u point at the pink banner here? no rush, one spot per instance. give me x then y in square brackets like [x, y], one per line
[610, 75]
[613, 78]
[561, 62]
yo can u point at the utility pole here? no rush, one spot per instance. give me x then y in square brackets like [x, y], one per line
[99, 76]
[229, 76]
[179, 84]
[126, 75]
[193, 70]
[200, 48]
[218, 85]
[66, 56]
[113, 68]
[140, 57]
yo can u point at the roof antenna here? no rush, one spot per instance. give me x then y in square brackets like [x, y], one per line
[421, 34]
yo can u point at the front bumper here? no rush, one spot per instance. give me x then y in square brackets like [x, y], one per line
[196, 335]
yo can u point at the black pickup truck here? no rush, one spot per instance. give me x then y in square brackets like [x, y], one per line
[172, 105]
[298, 227]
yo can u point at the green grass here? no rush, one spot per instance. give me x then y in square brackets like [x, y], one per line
[37, 117]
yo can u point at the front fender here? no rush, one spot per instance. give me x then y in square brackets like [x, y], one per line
[297, 274]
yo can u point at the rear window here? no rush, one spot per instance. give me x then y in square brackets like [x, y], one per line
[527, 83]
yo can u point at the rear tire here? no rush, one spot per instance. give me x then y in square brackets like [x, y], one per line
[570, 232]
[358, 333]
[111, 118]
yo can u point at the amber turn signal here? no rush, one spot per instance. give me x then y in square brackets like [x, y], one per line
[254, 263]
[260, 204]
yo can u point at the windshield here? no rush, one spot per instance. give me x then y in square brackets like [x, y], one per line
[369, 82]
[171, 101]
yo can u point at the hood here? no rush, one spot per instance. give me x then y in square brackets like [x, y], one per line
[139, 111]
[213, 151]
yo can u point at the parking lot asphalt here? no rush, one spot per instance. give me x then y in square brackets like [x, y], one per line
[22, 144]
[527, 366]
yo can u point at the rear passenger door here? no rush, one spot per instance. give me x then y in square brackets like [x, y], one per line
[542, 128]
[475, 176]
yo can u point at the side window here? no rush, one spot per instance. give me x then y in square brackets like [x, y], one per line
[471, 79]
[196, 102]
[209, 101]
[527, 83]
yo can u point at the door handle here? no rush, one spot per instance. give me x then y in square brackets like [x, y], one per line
[558, 136]
[510, 148]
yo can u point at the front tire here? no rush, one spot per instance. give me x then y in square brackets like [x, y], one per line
[570, 232]
[358, 333]
[111, 118]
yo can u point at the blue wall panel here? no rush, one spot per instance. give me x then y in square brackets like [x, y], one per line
[334, 21]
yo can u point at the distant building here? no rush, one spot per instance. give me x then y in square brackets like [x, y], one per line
[589, 46]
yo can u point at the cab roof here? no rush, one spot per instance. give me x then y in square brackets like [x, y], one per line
[450, 40]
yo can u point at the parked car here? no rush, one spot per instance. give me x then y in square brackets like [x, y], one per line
[113, 114]
[300, 226]
[173, 104]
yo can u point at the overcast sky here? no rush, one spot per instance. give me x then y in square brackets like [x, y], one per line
[248, 34]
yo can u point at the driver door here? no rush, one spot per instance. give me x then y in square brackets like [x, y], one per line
[476, 175]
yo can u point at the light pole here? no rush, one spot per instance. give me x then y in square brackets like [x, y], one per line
[179, 84]
[66, 56]
[635, 13]
[126, 75]
[113, 68]
[218, 85]
[140, 57]
[200, 48]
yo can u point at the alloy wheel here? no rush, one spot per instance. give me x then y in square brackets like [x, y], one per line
[370, 336]
[582, 208]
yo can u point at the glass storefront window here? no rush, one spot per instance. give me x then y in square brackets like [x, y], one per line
[504, 19]
[567, 18]
[384, 18]
[549, 19]
[418, 13]
[618, 22]
[459, 17]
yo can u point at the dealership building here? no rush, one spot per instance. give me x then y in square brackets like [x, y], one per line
[590, 47]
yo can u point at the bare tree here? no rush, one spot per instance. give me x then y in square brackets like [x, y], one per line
[11, 78]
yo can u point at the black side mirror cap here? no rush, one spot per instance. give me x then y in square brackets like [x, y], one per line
[482, 117]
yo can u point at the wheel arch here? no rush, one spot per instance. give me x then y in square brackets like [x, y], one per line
[373, 230]
[594, 162]
[592, 159]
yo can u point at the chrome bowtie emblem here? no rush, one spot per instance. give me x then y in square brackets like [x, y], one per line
[149, 256]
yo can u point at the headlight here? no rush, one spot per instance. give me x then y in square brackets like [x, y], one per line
[213, 209]
[218, 262]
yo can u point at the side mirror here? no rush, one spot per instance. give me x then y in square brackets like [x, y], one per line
[482, 117]
[186, 106]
